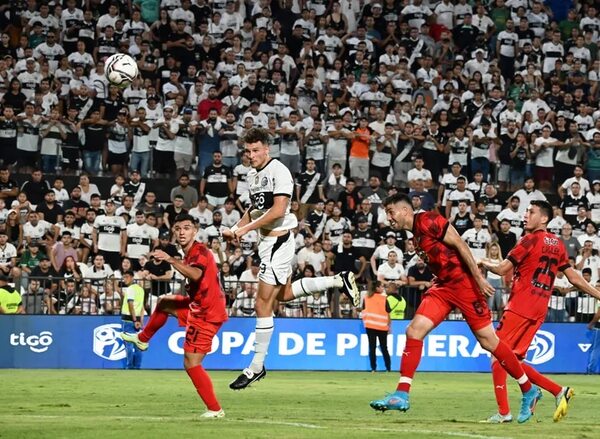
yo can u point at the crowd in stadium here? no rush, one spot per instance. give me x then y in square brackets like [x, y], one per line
[467, 106]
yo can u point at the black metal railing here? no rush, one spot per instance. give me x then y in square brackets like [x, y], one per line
[104, 296]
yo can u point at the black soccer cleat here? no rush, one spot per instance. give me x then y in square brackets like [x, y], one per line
[350, 288]
[246, 378]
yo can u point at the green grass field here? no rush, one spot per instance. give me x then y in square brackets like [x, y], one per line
[152, 404]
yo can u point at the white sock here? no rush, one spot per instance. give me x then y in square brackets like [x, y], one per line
[264, 331]
[307, 286]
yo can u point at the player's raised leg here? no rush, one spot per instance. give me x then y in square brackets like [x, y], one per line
[167, 305]
[309, 286]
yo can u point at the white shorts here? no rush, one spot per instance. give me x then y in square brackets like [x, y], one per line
[215, 201]
[183, 161]
[359, 168]
[276, 254]
[504, 173]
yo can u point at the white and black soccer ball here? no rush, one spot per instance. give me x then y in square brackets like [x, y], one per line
[120, 70]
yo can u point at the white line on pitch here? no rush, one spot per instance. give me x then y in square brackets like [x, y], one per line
[265, 422]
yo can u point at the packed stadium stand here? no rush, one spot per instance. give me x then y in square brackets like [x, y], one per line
[472, 108]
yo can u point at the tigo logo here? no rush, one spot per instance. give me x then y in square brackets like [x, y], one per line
[36, 343]
[542, 348]
[108, 343]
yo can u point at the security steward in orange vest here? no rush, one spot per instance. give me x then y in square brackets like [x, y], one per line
[376, 318]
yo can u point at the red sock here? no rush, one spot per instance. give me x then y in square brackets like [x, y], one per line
[512, 365]
[157, 320]
[204, 387]
[542, 381]
[411, 357]
[499, 379]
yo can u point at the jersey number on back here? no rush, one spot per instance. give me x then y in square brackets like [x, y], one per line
[544, 268]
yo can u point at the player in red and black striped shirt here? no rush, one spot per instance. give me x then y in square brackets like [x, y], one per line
[536, 259]
[458, 284]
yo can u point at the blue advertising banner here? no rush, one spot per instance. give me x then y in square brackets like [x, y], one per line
[297, 344]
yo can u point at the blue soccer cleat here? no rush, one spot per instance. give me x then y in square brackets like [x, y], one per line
[528, 403]
[394, 401]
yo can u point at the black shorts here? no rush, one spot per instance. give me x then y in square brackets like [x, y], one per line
[70, 156]
[117, 159]
[111, 258]
[27, 159]
[164, 161]
[8, 154]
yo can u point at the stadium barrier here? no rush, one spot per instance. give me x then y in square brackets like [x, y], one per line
[298, 344]
[52, 297]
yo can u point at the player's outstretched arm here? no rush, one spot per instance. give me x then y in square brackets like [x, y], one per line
[501, 269]
[453, 239]
[192, 273]
[245, 219]
[580, 283]
[594, 320]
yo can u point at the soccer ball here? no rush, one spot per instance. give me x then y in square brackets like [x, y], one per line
[120, 70]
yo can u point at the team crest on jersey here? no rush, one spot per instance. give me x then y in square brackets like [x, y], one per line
[550, 241]
[264, 182]
[419, 250]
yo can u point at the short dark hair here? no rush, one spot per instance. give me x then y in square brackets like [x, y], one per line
[397, 198]
[255, 135]
[185, 217]
[545, 208]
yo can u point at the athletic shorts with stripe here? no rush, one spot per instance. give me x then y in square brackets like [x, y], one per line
[517, 332]
[276, 255]
[199, 333]
[441, 299]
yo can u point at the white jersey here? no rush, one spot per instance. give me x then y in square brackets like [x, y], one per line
[97, 276]
[527, 197]
[74, 231]
[456, 196]
[264, 184]
[319, 306]
[229, 219]
[38, 231]
[7, 253]
[477, 240]
[390, 273]
[241, 173]
[204, 218]
[29, 135]
[335, 229]
[515, 219]
[140, 239]
[86, 232]
[594, 200]
[381, 253]
[109, 232]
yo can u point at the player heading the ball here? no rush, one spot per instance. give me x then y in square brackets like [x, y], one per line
[271, 187]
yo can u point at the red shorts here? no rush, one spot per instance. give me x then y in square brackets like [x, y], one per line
[517, 332]
[199, 333]
[440, 299]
